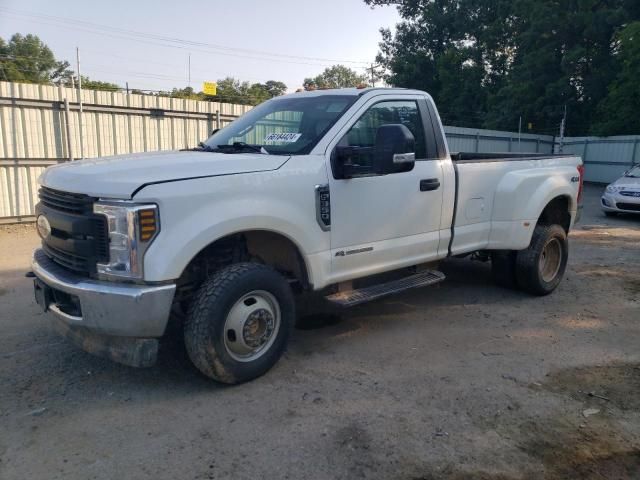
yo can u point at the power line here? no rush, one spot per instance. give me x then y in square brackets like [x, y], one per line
[177, 42]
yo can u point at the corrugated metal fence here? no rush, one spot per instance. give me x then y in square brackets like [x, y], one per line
[474, 140]
[40, 126]
[605, 158]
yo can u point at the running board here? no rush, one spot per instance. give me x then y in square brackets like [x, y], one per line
[350, 298]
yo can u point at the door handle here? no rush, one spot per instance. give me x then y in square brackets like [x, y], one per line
[429, 184]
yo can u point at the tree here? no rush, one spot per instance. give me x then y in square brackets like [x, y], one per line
[456, 50]
[99, 85]
[618, 111]
[260, 92]
[490, 62]
[337, 76]
[188, 93]
[275, 88]
[27, 59]
[563, 56]
[232, 90]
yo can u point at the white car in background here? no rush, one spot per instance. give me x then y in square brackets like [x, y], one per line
[623, 195]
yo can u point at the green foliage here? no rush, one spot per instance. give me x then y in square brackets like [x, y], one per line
[618, 111]
[98, 85]
[232, 90]
[337, 76]
[27, 59]
[489, 62]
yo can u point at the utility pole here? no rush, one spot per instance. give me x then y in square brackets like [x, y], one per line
[189, 82]
[127, 85]
[373, 75]
[80, 122]
[562, 127]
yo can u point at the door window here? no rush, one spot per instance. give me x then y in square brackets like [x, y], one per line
[363, 133]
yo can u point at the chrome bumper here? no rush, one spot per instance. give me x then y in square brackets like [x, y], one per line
[107, 308]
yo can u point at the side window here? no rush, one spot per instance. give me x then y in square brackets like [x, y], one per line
[363, 132]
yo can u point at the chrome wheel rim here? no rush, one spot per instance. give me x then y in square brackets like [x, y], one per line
[550, 260]
[251, 326]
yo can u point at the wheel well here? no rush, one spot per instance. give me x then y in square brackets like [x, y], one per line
[556, 213]
[259, 246]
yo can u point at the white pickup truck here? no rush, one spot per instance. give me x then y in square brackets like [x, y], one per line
[316, 191]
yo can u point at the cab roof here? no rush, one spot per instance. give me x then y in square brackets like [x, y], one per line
[353, 91]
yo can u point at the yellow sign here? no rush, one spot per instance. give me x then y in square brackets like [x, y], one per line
[210, 88]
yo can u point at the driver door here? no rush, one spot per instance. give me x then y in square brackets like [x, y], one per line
[381, 222]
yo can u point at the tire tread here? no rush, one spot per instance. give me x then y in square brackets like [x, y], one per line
[197, 325]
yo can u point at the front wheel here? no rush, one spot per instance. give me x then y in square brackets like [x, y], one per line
[540, 267]
[239, 322]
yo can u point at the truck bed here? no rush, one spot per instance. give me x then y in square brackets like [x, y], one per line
[498, 196]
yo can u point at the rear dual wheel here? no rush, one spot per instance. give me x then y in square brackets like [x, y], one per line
[540, 267]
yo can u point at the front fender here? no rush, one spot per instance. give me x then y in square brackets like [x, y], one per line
[196, 213]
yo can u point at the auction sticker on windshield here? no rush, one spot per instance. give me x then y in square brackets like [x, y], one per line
[288, 137]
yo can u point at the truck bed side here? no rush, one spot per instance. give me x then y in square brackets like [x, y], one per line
[500, 197]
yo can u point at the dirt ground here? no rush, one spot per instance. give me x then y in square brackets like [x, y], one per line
[461, 381]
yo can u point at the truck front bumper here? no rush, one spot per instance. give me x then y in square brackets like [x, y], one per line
[115, 320]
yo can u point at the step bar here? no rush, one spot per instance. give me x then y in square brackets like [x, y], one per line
[357, 296]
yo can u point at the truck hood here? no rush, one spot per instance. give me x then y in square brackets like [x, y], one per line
[120, 176]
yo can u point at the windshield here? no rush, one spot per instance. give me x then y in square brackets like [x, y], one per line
[282, 126]
[634, 172]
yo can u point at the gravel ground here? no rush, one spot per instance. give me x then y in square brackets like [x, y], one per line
[464, 380]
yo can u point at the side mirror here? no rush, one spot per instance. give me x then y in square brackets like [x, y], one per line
[394, 150]
[345, 161]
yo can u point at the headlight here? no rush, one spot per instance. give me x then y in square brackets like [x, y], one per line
[132, 228]
[613, 189]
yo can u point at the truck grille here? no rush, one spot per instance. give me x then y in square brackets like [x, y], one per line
[66, 202]
[66, 259]
[79, 238]
[633, 207]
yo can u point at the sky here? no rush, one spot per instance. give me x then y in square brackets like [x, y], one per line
[147, 43]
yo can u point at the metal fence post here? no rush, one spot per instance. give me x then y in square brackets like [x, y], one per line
[209, 124]
[16, 169]
[584, 152]
[218, 119]
[633, 153]
[477, 142]
[68, 130]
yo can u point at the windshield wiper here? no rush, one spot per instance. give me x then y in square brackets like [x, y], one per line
[239, 147]
[202, 147]
[255, 148]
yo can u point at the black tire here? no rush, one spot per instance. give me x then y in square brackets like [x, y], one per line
[503, 268]
[204, 333]
[611, 214]
[529, 273]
